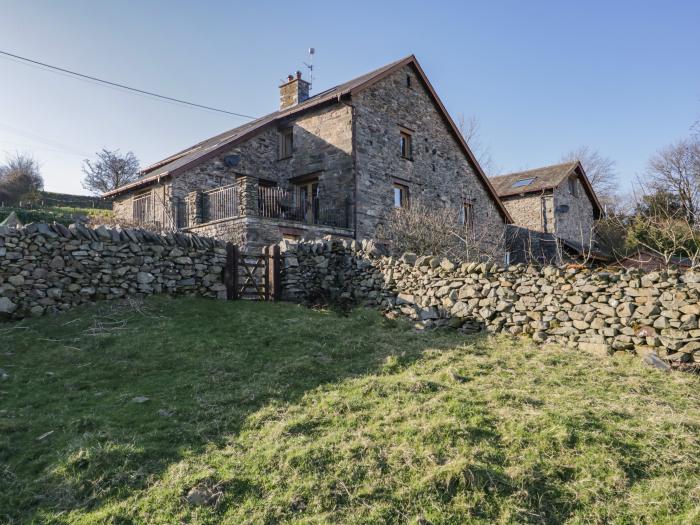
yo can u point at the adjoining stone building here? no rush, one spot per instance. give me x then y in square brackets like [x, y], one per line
[554, 210]
[335, 163]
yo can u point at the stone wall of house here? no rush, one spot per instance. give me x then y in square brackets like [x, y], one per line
[576, 224]
[162, 205]
[527, 209]
[322, 144]
[322, 147]
[122, 208]
[438, 174]
[50, 268]
[599, 311]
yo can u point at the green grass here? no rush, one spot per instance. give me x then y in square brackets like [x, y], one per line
[63, 214]
[280, 414]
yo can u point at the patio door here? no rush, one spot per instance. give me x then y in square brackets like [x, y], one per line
[308, 200]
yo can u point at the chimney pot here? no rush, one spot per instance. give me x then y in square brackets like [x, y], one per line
[298, 74]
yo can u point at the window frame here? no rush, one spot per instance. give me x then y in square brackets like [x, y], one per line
[286, 143]
[406, 144]
[573, 186]
[522, 183]
[307, 193]
[404, 195]
[468, 215]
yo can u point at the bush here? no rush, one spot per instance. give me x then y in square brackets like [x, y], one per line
[437, 231]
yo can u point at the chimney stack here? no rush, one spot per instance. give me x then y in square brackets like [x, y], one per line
[294, 91]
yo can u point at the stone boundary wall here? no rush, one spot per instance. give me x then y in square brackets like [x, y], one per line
[50, 268]
[599, 311]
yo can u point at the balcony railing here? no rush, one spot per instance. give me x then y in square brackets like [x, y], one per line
[220, 203]
[278, 203]
[149, 210]
[238, 200]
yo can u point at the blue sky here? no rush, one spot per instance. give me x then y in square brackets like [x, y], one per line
[543, 78]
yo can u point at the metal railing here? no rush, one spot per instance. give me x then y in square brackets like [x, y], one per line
[144, 209]
[278, 203]
[149, 209]
[224, 203]
[220, 203]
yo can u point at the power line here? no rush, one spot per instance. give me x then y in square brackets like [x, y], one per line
[122, 86]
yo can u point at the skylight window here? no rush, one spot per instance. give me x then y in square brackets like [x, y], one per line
[522, 182]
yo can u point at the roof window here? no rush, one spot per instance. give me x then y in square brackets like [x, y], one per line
[522, 182]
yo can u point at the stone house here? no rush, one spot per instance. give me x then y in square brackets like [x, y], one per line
[336, 163]
[553, 208]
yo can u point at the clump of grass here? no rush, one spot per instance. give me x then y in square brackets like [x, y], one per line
[273, 413]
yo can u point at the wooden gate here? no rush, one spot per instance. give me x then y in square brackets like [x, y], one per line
[252, 276]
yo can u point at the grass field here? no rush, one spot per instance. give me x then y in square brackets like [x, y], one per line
[196, 411]
[63, 214]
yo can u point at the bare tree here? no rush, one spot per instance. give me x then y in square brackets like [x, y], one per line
[676, 171]
[431, 230]
[600, 170]
[110, 170]
[470, 128]
[20, 178]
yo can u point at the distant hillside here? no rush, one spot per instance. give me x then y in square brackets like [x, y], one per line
[49, 198]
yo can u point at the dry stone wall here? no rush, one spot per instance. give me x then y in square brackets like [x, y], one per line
[50, 268]
[599, 311]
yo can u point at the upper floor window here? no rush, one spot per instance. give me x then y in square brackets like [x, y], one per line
[408, 81]
[286, 141]
[400, 195]
[573, 186]
[468, 216]
[406, 145]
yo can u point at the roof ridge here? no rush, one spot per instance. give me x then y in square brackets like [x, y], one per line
[549, 166]
[273, 114]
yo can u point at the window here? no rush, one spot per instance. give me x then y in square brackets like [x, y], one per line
[522, 182]
[400, 195]
[468, 216]
[286, 140]
[406, 145]
[506, 259]
[408, 81]
[573, 186]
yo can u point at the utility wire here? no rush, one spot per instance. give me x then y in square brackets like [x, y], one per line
[122, 86]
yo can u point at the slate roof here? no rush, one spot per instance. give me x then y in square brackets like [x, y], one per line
[545, 178]
[209, 148]
[188, 156]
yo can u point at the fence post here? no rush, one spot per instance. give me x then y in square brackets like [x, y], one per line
[231, 271]
[275, 273]
[267, 280]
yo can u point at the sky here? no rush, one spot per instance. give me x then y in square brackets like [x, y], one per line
[542, 78]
